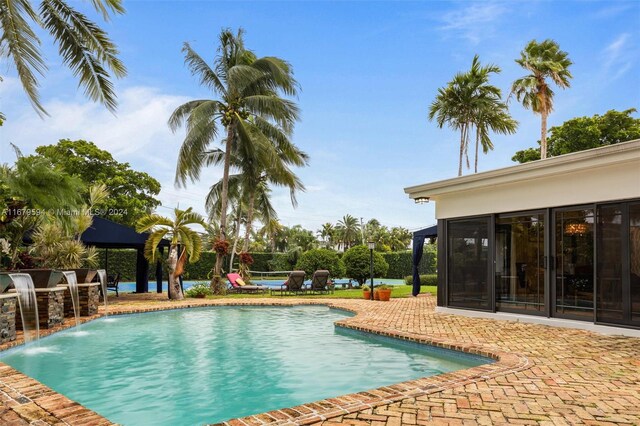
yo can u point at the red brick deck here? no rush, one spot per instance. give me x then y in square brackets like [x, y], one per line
[543, 375]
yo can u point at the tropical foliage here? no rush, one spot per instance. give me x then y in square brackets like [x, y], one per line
[357, 261]
[582, 133]
[320, 258]
[544, 61]
[179, 232]
[132, 193]
[249, 106]
[84, 47]
[469, 101]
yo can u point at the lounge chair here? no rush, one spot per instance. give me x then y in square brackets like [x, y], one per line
[113, 282]
[293, 285]
[320, 283]
[237, 285]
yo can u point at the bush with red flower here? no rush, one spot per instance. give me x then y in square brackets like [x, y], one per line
[221, 247]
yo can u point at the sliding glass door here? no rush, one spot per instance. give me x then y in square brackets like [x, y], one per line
[573, 272]
[519, 263]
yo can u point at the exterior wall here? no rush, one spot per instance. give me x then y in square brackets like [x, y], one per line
[50, 308]
[89, 295]
[613, 182]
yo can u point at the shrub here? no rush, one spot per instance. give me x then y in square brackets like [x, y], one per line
[426, 279]
[356, 261]
[200, 289]
[315, 259]
[401, 262]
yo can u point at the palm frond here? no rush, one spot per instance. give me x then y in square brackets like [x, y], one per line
[23, 46]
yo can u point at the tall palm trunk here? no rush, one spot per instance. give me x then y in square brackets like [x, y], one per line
[477, 143]
[235, 239]
[463, 136]
[224, 199]
[250, 210]
[175, 291]
[543, 135]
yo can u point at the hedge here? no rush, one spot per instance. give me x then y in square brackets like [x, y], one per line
[401, 263]
[124, 262]
[426, 279]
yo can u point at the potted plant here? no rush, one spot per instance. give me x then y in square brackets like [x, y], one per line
[384, 293]
[200, 291]
[366, 292]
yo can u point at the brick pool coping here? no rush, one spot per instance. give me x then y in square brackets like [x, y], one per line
[23, 400]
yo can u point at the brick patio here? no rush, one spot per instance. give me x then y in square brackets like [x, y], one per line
[543, 375]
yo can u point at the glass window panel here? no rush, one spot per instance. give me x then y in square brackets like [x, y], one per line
[468, 263]
[520, 263]
[574, 263]
[610, 260]
[634, 261]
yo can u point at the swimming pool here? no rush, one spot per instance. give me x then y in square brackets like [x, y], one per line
[205, 365]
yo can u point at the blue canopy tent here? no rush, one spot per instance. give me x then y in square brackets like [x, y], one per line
[418, 245]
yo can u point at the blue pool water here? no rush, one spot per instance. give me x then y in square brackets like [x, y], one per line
[129, 286]
[195, 366]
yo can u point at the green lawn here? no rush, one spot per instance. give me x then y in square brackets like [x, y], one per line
[398, 291]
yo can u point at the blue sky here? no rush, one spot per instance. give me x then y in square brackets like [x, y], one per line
[368, 72]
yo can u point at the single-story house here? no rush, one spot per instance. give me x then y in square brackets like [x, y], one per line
[555, 241]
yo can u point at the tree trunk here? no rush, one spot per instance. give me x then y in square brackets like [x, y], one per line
[462, 136]
[237, 236]
[247, 235]
[175, 291]
[223, 202]
[477, 143]
[543, 136]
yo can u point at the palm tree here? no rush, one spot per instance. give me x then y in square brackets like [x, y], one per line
[178, 230]
[469, 100]
[326, 233]
[453, 106]
[273, 230]
[349, 230]
[543, 60]
[85, 48]
[249, 106]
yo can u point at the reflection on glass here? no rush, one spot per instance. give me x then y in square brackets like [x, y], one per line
[634, 258]
[610, 264]
[468, 246]
[574, 263]
[520, 263]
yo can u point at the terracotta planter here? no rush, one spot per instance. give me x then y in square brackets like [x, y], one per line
[384, 295]
[366, 294]
[376, 294]
[200, 296]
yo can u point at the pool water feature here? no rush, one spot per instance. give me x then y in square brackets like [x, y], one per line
[206, 365]
[102, 276]
[72, 281]
[23, 283]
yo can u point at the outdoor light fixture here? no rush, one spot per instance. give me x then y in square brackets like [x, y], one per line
[372, 245]
[421, 200]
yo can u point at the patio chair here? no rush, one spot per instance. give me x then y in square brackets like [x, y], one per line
[293, 285]
[113, 281]
[238, 285]
[320, 282]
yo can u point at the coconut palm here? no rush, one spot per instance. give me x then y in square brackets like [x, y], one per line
[85, 48]
[248, 106]
[349, 229]
[544, 61]
[179, 232]
[274, 230]
[327, 233]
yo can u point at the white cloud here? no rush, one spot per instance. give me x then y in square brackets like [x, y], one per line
[473, 21]
[617, 57]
